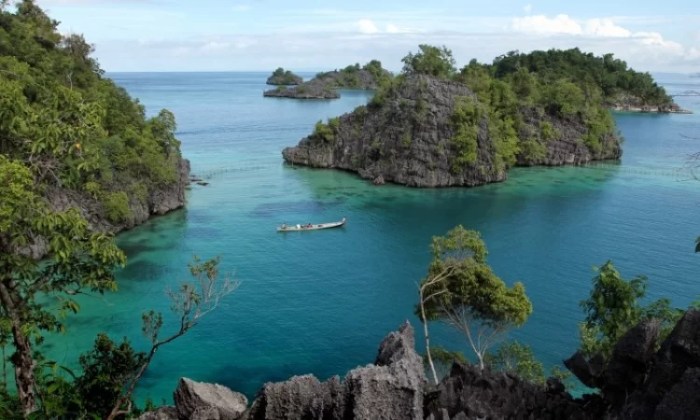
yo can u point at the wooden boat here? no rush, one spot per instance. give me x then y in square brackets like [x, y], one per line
[310, 226]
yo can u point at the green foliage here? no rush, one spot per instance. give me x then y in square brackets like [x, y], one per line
[105, 371]
[613, 308]
[70, 126]
[430, 60]
[547, 131]
[465, 123]
[326, 132]
[443, 359]
[116, 206]
[461, 290]
[76, 260]
[609, 75]
[519, 359]
[532, 151]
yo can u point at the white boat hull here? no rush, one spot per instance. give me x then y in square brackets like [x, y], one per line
[310, 226]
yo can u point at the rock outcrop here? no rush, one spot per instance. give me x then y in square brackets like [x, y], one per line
[407, 136]
[159, 201]
[636, 383]
[392, 388]
[197, 400]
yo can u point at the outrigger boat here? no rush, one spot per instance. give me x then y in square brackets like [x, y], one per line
[310, 226]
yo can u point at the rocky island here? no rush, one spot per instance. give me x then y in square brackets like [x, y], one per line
[282, 77]
[326, 85]
[432, 126]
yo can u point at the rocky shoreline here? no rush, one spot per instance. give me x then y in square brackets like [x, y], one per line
[638, 382]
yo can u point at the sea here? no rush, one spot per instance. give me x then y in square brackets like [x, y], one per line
[321, 302]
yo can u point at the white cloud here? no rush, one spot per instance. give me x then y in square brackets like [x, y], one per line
[366, 26]
[541, 24]
[527, 9]
[240, 8]
[605, 28]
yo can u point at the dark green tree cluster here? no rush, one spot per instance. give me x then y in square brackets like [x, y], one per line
[283, 77]
[73, 128]
[609, 74]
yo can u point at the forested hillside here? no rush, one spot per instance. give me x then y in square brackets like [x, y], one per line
[85, 141]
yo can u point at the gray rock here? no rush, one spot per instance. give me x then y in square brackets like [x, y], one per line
[201, 400]
[391, 389]
[683, 400]
[162, 413]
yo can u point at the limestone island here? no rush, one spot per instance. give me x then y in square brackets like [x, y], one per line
[282, 77]
[434, 126]
[325, 85]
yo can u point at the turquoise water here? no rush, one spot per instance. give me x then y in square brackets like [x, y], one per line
[320, 302]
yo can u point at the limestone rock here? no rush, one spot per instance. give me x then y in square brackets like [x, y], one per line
[208, 401]
[162, 413]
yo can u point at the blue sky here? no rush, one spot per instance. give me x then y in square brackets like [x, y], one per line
[312, 35]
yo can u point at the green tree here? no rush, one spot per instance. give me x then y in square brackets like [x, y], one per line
[519, 359]
[613, 308]
[430, 60]
[77, 260]
[462, 290]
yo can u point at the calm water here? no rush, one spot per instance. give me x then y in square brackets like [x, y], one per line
[321, 302]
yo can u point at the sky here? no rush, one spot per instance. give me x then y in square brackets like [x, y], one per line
[315, 35]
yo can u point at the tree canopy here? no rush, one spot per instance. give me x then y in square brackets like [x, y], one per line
[462, 290]
[430, 60]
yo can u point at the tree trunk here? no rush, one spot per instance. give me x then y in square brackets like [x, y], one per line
[22, 359]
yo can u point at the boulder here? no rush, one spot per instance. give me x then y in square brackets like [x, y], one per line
[202, 400]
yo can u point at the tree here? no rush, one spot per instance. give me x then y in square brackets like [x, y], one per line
[519, 359]
[613, 308]
[462, 290]
[190, 303]
[76, 260]
[430, 60]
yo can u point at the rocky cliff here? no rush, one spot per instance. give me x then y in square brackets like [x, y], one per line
[638, 382]
[158, 201]
[409, 134]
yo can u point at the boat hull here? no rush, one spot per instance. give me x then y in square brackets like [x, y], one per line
[310, 226]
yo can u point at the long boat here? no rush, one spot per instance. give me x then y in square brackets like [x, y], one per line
[310, 226]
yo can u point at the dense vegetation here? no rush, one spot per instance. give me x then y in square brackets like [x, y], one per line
[73, 128]
[350, 77]
[283, 77]
[69, 138]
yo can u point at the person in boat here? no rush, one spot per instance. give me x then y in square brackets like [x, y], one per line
[284, 226]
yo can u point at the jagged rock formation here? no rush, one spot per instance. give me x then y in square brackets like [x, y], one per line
[636, 383]
[313, 89]
[280, 77]
[408, 137]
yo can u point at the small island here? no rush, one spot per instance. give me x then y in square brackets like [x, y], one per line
[282, 77]
[434, 126]
[325, 85]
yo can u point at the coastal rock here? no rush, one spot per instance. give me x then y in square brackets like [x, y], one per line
[160, 200]
[471, 393]
[392, 388]
[198, 400]
[405, 136]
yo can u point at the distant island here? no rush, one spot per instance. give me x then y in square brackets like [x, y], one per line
[325, 85]
[434, 126]
[282, 77]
